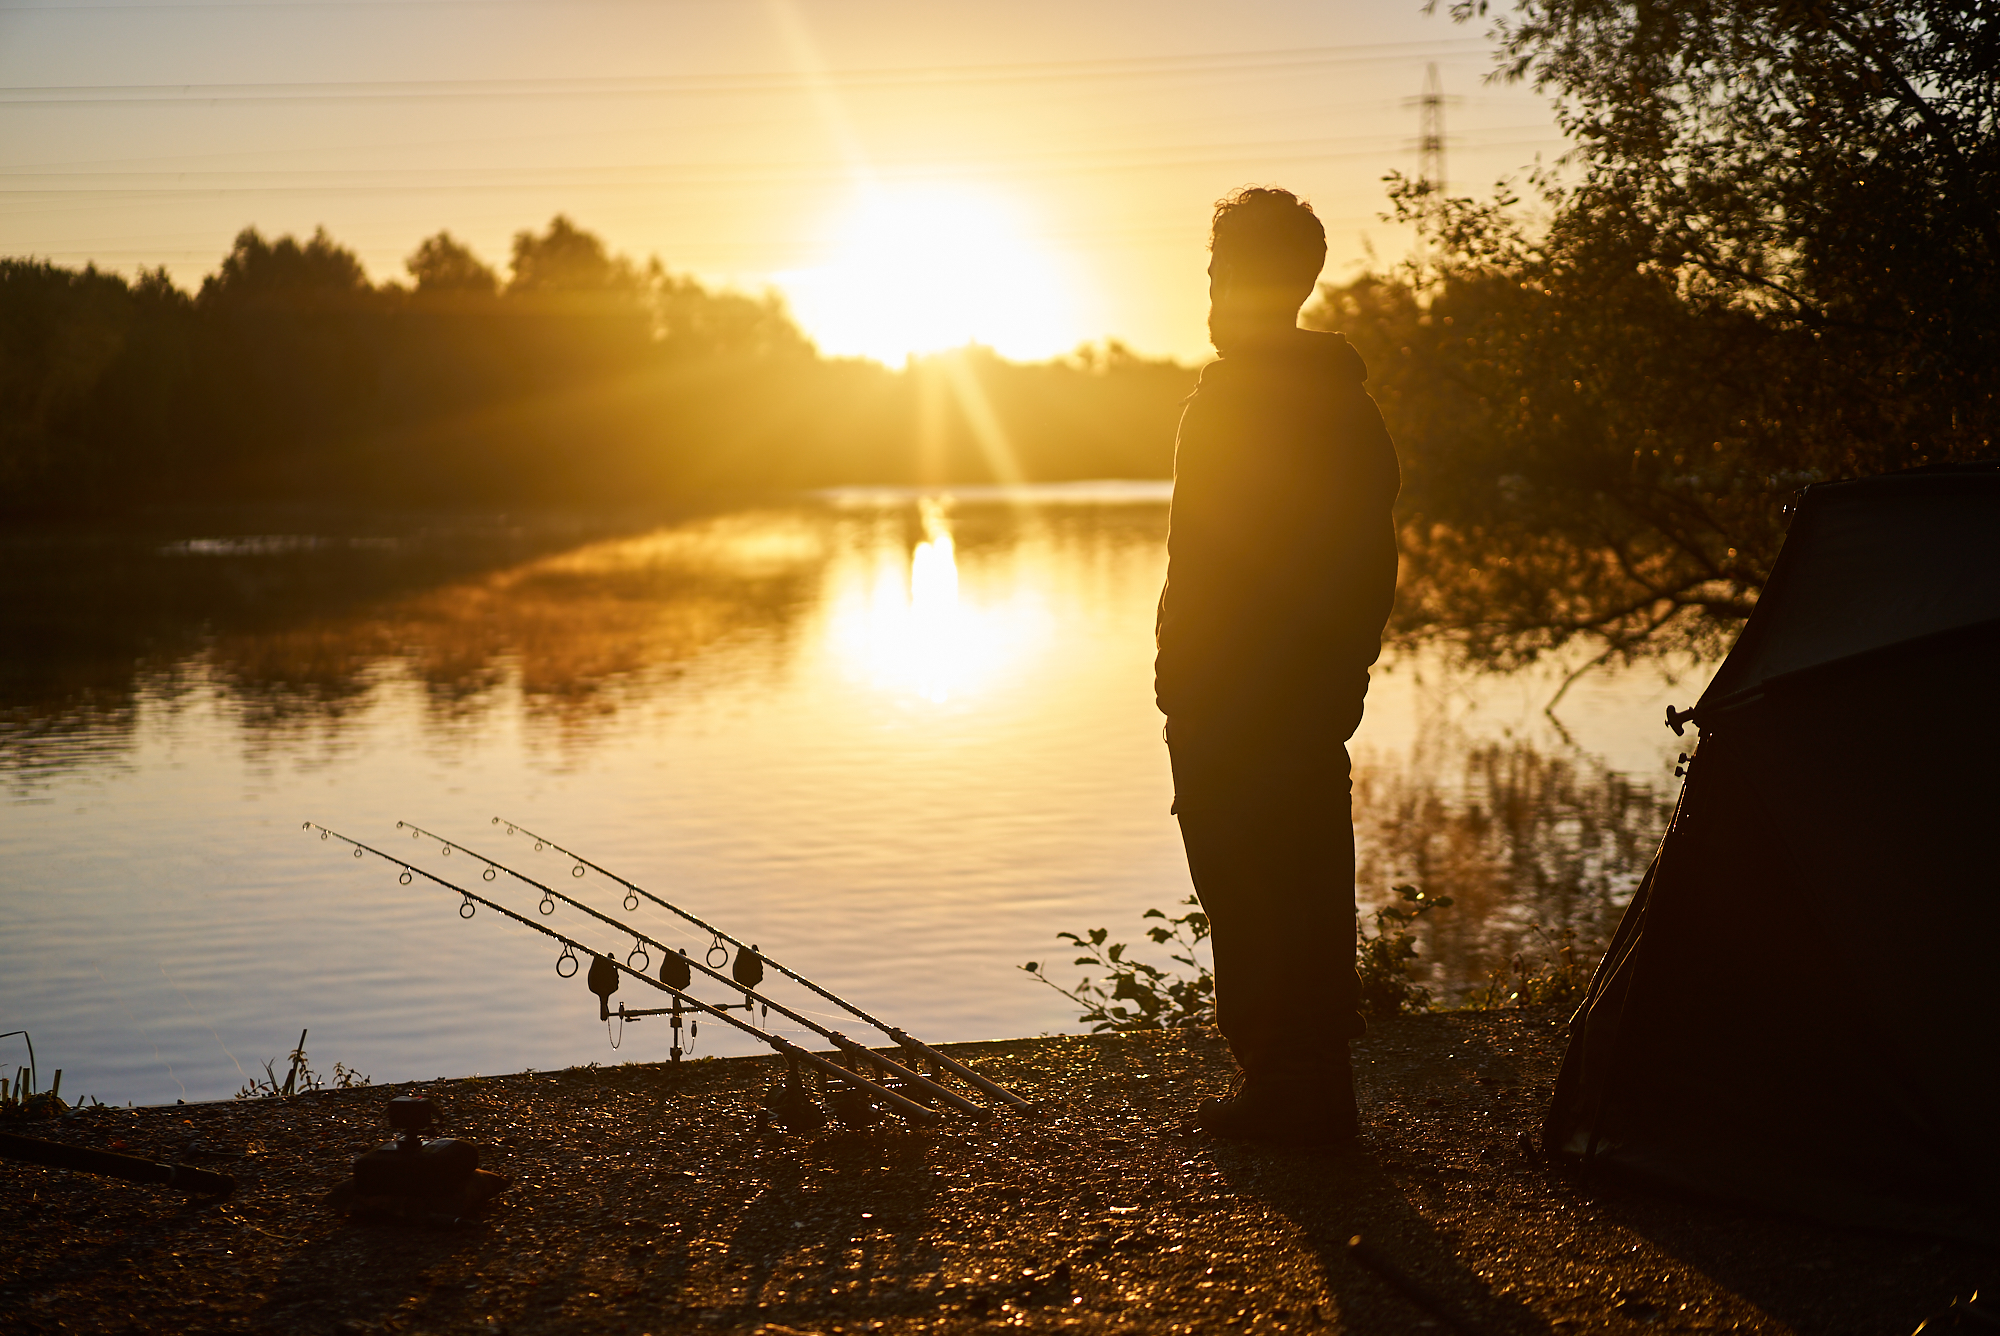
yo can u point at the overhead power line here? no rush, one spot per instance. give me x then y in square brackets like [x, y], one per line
[434, 178]
[947, 76]
[432, 184]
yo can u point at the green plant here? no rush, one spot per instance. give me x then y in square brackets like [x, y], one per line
[1383, 959]
[299, 1077]
[1136, 995]
[20, 1099]
[1158, 999]
[1556, 979]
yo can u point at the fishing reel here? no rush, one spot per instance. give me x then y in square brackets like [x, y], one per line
[677, 973]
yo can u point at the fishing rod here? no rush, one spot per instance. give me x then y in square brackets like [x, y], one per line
[837, 1039]
[909, 1108]
[902, 1039]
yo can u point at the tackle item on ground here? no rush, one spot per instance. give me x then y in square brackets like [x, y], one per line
[434, 1180]
[791, 1106]
[882, 1081]
[110, 1164]
[1797, 1007]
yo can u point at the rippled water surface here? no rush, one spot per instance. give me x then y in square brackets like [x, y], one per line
[899, 742]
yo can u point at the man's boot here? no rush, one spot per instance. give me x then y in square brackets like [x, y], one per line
[1305, 1100]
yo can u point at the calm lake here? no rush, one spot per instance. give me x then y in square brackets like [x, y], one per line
[898, 741]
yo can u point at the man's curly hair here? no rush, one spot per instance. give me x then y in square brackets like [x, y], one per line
[1271, 233]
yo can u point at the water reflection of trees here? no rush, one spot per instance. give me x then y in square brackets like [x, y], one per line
[1519, 837]
[302, 634]
[576, 632]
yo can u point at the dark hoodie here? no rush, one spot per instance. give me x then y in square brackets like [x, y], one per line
[1281, 553]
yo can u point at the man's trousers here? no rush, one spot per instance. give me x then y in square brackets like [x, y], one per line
[1269, 832]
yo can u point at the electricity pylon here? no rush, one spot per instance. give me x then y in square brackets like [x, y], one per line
[1430, 131]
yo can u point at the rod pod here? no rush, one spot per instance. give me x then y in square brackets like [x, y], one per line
[735, 979]
[909, 1108]
[902, 1038]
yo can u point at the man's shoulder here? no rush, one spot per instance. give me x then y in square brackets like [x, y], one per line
[1331, 358]
[1312, 357]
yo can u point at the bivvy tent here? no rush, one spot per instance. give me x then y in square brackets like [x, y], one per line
[1801, 1005]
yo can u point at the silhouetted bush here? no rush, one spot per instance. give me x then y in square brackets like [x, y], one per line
[1138, 995]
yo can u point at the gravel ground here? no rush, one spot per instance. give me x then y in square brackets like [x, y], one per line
[645, 1199]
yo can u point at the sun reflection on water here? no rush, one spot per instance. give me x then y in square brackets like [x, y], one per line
[909, 629]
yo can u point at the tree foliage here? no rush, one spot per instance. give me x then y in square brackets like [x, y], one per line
[444, 266]
[583, 379]
[1771, 260]
[84, 355]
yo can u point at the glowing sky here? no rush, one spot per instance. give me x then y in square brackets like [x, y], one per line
[1028, 174]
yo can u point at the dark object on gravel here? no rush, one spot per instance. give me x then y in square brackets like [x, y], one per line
[410, 1166]
[436, 1180]
[453, 1207]
[791, 1106]
[110, 1164]
[1797, 1008]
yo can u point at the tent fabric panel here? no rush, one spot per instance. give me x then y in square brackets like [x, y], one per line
[1882, 780]
[1872, 563]
[1571, 1125]
[1739, 1059]
[1801, 1010]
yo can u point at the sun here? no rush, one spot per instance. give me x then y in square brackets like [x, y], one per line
[921, 268]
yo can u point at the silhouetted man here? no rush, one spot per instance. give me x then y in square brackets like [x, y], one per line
[1281, 571]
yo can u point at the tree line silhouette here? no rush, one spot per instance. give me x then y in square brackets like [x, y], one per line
[582, 379]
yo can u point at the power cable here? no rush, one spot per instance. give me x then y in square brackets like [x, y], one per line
[948, 76]
[680, 173]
